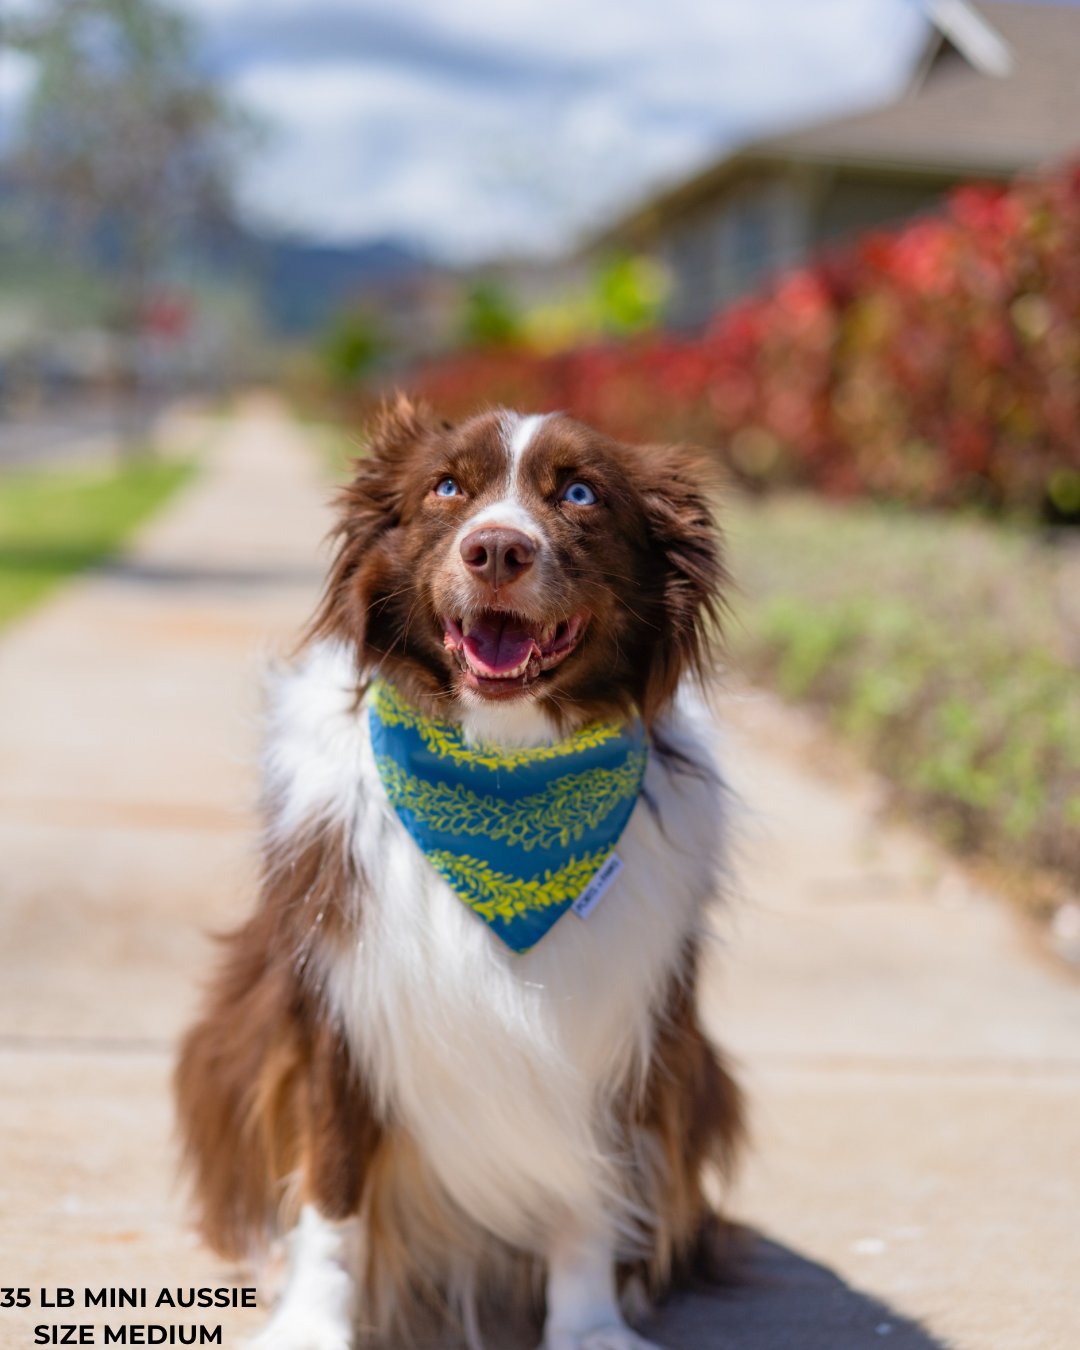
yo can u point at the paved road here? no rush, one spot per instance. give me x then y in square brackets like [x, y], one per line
[914, 1066]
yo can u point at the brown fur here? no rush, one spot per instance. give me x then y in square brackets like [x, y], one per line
[416, 1236]
[688, 1118]
[265, 1089]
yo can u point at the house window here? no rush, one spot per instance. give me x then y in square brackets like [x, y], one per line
[751, 240]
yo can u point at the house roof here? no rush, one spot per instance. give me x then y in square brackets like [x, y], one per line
[958, 117]
[997, 92]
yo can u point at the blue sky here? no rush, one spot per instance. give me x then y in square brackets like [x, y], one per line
[490, 127]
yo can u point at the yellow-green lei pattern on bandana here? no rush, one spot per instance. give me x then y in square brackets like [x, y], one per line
[517, 833]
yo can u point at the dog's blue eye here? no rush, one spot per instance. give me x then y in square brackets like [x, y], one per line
[579, 494]
[447, 488]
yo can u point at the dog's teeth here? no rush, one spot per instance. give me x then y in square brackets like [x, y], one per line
[466, 625]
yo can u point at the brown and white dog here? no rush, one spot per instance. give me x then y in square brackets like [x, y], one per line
[439, 1121]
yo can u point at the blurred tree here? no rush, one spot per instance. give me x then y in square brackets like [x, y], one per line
[491, 318]
[630, 292]
[350, 347]
[624, 296]
[125, 142]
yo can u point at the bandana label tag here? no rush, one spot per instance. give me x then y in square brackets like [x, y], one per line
[591, 896]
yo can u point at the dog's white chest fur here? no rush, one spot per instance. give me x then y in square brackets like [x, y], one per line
[499, 1065]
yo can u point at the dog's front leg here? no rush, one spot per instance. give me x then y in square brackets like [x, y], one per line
[315, 1310]
[582, 1304]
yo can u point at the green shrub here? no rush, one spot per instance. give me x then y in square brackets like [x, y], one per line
[491, 318]
[936, 644]
[350, 348]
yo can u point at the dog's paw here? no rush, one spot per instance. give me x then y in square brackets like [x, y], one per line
[615, 1337]
[292, 1329]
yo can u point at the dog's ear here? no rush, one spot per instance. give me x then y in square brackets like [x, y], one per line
[687, 551]
[400, 425]
[369, 510]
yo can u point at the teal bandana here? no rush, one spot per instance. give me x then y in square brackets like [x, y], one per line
[520, 835]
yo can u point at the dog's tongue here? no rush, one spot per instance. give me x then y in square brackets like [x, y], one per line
[497, 642]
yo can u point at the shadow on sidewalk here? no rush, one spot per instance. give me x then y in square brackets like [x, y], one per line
[787, 1303]
[172, 575]
[783, 1302]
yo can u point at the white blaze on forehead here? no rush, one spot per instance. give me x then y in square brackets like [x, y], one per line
[517, 432]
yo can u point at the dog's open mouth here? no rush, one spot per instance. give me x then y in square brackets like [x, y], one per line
[499, 652]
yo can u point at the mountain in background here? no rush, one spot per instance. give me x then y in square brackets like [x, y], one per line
[302, 285]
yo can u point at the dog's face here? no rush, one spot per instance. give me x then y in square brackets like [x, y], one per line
[524, 558]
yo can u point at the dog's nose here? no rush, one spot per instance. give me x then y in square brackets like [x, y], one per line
[497, 555]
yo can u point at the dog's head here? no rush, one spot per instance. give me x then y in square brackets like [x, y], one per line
[524, 558]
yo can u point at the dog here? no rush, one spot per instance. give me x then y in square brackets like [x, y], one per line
[450, 1090]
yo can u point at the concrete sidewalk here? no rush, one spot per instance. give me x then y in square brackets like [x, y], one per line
[126, 745]
[914, 1068]
[913, 1061]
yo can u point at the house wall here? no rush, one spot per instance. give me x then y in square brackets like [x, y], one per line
[852, 204]
[729, 245]
[762, 223]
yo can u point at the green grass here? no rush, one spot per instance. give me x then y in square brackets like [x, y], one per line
[946, 648]
[54, 523]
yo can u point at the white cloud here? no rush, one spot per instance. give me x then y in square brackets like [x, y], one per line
[487, 127]
[16, 80]
[16, 76]
[364, 151]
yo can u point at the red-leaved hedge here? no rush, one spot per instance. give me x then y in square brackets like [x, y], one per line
[937, 363]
